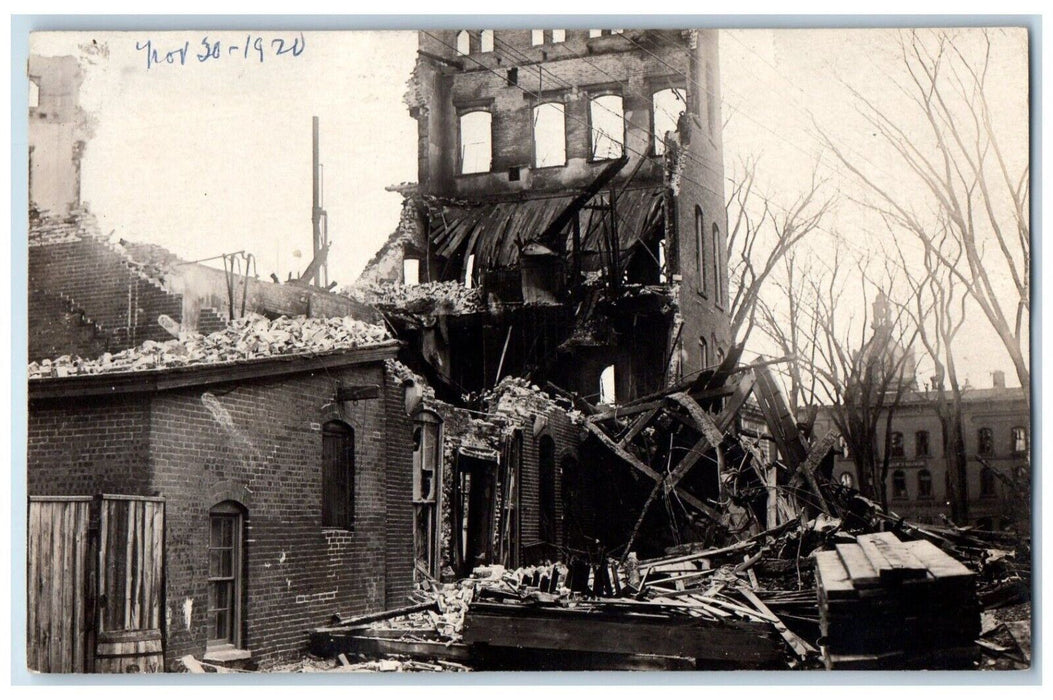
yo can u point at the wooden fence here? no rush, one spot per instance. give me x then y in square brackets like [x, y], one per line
[95, 584]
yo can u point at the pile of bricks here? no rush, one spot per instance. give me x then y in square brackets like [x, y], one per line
[247, 338]
[427, 298]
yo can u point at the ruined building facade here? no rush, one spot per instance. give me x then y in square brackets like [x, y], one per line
[573, 180]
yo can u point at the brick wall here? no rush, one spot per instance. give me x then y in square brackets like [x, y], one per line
[60, 329]
[259, 444]
[98, 282]
[93, 446]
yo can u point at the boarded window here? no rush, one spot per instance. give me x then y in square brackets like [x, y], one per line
[224, 575]
[666, 108]
[899, 484]
[700, 249]
[464, 43]
[608, 127]
[559, 36]
[486, 41]
[984, 441]
[475, 142]
[546, 490]
[338, 475]
[896, 445]
[924, 484]
[550, 135]
[537, 37]
[921, 443]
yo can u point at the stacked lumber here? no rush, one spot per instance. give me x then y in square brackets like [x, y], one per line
[887, 604]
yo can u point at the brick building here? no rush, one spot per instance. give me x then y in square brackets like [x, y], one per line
[246, 450]
[575, 179]
[996, 428]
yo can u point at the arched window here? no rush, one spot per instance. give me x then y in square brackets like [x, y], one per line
[718, 279]
[921, 443]
[546, 490]
[476, 138]
[464, 43]
[899, 484]
[924, 484]
[666, 107]
[700, 249]
[607, 120]
[607, 385]
[896, 445]
[338, 475]
[486, 41]
[550, 135]
[225, 581]
[1019, 440]
[984, 441]
[703, 352]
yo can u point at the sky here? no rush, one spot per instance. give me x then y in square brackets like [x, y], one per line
[214, 156]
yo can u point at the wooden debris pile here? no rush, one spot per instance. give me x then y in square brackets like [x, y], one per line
[247, 338]
[888, 604]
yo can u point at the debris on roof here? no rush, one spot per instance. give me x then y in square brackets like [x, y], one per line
[247, 338]
[425, 299]
[518, 399]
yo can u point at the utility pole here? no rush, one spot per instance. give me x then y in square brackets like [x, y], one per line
[319, 218]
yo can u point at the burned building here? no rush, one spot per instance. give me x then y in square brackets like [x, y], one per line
[573, 181]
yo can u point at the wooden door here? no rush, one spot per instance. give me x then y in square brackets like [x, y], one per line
[59, 580]
[129, 609]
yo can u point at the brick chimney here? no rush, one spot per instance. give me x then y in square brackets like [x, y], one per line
[998, 379]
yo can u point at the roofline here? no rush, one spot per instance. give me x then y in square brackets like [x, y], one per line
[156, 380]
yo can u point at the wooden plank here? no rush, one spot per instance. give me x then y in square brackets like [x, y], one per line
[832, 576]
[147, 566]
[621, 452]
[941, 565]
[32, 585]
[80, 576]
[740, 643]
[158, 533]
[56, 614]
[140, 567]
[893, 561]
[860, 570]
[686, 464]
[800, 647]
[101, 566]
[68, 585]
[702, 420]
[738, 399]
[638, 425]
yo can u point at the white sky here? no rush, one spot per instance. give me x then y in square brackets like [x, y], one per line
[215, 157]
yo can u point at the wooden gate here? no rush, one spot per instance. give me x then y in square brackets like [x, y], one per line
[96, 568]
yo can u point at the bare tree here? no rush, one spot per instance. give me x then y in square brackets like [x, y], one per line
[857, 369]
[939, 310]
[972, 192]
[760, 236]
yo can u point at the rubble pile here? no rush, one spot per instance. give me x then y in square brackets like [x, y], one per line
[518, 399]
[248, 338]
[404, 374]
[427, 298]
